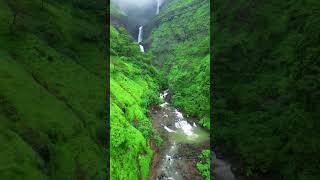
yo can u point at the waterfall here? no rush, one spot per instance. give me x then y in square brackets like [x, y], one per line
[141, 48]
[158, 6]
[140, 38]
[140, 34]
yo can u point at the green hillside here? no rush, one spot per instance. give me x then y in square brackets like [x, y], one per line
[52, 90]
[135, 83]
[266, 74]
[133, 87]
[179, 39]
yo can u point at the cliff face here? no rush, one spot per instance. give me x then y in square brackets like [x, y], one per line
[179, 39]
[52, 92]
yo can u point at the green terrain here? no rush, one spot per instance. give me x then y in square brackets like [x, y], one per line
[52, 90]
[54, 111]
[266, 91]
[136, 79]
[179, 39]
[133, 87]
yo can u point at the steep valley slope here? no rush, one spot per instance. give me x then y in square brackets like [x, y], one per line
[52, 90]
[266, 90]
[133, 88]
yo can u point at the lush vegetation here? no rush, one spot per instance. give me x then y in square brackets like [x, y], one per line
[52, 92]
[133, 87]
[135, 82]
[266, 85]
[204, 165]
[179, 40]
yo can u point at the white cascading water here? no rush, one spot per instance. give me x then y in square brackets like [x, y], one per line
[158, 6]
[140, 34]
[141, 48]
[159, 2]
[140, 38]
[179, 131]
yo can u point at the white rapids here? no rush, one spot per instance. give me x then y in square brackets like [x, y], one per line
[179, 130]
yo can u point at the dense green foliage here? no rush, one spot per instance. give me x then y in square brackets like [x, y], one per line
[133, 87]
[204, 164]
[52, 90]
[179, 40]
[266, 74]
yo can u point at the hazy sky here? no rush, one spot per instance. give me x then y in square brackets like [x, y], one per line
[139, 11]
[140, 3]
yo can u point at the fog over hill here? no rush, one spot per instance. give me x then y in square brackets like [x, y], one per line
[138, 12]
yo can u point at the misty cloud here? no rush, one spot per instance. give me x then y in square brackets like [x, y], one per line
[142, 4]
[138, 12]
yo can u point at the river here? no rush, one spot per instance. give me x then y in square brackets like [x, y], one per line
[183, 141]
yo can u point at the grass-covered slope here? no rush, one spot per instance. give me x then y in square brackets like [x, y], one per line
[267, 85]
[133, 87]
[52, 90]
[179, 40]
